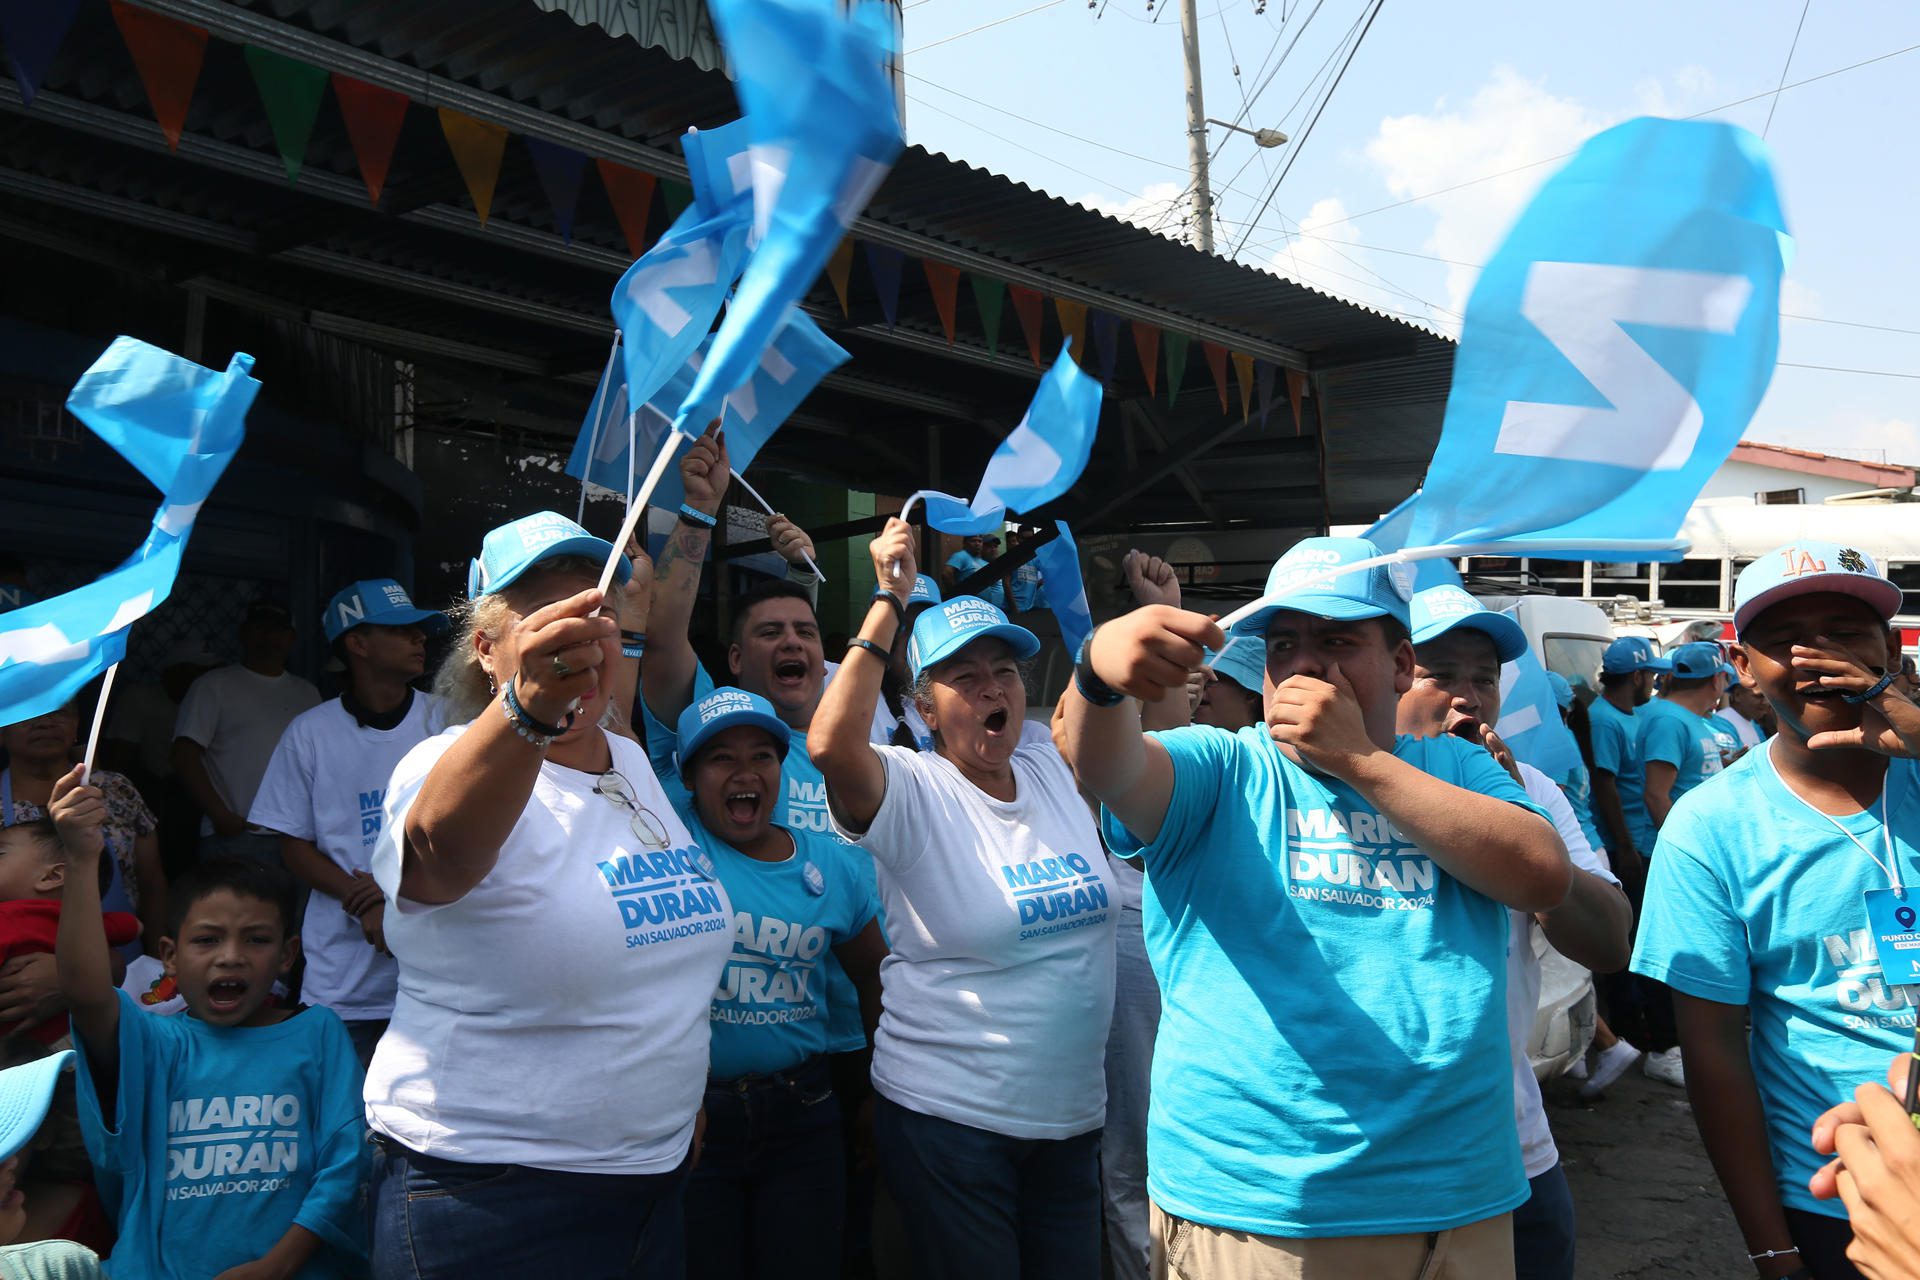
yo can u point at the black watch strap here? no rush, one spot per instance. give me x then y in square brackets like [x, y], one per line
[1091, 686]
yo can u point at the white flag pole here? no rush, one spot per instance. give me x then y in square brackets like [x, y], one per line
[593, 436]
[638, 504]
[99, 719]
[1409, 555]
[906, 514]
[768, 507]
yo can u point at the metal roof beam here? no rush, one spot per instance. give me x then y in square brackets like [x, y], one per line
[231, 22]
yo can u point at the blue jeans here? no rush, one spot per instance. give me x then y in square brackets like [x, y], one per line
[446, 1220]
[770, 1191]
[980, 1204]
[1543, 1230]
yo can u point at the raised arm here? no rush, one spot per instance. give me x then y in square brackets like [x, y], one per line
[85, 962]
[475, 793]
[635, 601]
[1145, 654]
[837, 741]
[795, 546]
[666, 676]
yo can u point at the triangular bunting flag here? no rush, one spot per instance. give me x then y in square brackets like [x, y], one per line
[1026, 306]
[1146, 345]
[1263, 382]
[886, 264]
[1176, 364]
[840, 272]
[989, 295]
[1073, 323]
[630, 192]
[478, 147]
[168, 55]
[560, 170]
[1296, 392]
[1217, 361]
[678, 196]
[291, 91]
[1243, 374]
[374, 116]
[34, 31]
[1106, 341]
[944, 280]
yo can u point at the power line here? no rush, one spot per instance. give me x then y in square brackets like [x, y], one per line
[983, 27]
[1827, 368]
[1785, 67]
[1091, 177]
[1299, 143]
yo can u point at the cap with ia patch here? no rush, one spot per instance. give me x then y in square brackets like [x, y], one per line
[1811, 568]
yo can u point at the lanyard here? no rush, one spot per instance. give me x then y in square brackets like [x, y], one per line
[1891, 867]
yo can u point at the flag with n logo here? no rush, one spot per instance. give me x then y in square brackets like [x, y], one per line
[1614, 350]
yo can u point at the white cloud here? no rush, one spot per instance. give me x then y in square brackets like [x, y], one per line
[1148, 209]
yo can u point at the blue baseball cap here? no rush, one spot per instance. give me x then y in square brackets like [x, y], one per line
[26, 1091]
[1629, 654]
[728, 708]
[1696, 661]
[925, 591]
[943, 630]
[1562, 691]
[1804, 568]
[518, 545]
[1350, 597]
[1243, 661]
[1438, 610]
[381, 602]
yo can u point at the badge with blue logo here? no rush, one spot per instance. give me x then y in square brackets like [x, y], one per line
[815, 882]
[1894, 918]
[703, 864]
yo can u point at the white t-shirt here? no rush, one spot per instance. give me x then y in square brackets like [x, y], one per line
[327, 783]
[1537, 1150]
[238, 716]
[1749, 732]
[999, 988]
[555, 1016]
[880, 732]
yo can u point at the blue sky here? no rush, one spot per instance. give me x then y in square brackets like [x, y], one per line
[1441, 94]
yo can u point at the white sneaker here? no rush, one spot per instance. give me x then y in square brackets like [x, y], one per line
[1609, 1065]
[1578, 1071]
[1666, 1068]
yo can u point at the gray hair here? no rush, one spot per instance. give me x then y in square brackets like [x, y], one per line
[462, 683]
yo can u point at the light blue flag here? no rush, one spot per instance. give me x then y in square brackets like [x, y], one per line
[1058, 560]
[720, 170]
[819, 108]
[1614, 349]
[1038, 461]
[800, 356]
[1530, 719]
[179, 425]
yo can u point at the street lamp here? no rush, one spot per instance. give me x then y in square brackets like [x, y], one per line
[1261, 137]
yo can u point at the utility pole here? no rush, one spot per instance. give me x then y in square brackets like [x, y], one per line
[1196, 129]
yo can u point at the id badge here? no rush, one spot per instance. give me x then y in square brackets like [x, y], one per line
[1895, 924]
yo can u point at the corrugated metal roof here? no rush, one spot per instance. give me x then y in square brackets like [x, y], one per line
[423, 263]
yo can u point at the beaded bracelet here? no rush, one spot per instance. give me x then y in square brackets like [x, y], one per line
[693, 515]
[539, 734]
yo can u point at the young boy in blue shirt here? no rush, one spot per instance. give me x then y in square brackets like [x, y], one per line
[229, 1139]
[1757, 904]
[1326, 910]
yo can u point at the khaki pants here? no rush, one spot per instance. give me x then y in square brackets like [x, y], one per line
[1185, 1250]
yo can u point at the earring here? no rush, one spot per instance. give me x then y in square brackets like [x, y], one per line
[493, 690]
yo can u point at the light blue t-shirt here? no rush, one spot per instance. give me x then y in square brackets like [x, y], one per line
[1026, 586]
[1674, 735]
[1756, 899]
[1616, 749]
[223, 1137]
[769, 1012]
[1333, 1056]
[802, 807]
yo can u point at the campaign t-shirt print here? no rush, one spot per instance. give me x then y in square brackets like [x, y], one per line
[663, 894]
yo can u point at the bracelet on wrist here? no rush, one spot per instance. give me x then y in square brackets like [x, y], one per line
[1091, 686]
[1885, 683]
[899, 610]
[877, 650]
[539, 733]
[693, 515]
[1787, 1252]
[633, 644]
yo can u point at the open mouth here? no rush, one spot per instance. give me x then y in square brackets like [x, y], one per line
[224, 995]
[742, 806]
[790, 671]
[996, 721]
[1467, 728]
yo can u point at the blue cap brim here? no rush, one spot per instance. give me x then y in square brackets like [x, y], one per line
[1654, 664]
[774, 726]
[1509, 640]
[586, 546]
[26, 1091]
[1023, 642]
[1332, 608]
[428, 620]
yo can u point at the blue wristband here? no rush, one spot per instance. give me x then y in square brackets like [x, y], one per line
[693, 516]
[1886, 681]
